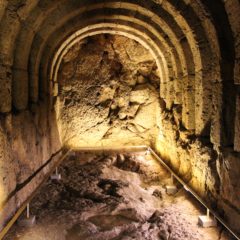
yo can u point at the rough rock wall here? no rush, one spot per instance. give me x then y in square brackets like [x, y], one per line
[28, 140]
[211, 166]
[108, 93]
[212, 171]
[233, 9]
[199, 40]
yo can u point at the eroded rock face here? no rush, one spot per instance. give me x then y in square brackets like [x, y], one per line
[209, 96]
[212, 172]
[108, 93]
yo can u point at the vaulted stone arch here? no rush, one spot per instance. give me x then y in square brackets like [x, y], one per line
[196, 47]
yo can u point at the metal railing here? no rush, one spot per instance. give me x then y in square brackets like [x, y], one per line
[124, 148]
[25, 204]
[187, 188]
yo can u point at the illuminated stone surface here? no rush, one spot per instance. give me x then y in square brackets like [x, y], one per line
[196, 47]
[101, 100]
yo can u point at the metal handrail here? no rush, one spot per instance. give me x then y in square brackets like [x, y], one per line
[24, 205]
[187, 188]
[144, 147]
[6, 228]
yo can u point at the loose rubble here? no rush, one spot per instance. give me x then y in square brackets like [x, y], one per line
[113, 196]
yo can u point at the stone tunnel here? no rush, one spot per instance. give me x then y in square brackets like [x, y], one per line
[106, 73]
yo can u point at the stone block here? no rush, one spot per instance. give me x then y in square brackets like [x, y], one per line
[206, 221]
[171, 189]
[27, 222]
[56, 176]
[139, 96]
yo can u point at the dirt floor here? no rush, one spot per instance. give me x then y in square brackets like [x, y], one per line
[113, 196]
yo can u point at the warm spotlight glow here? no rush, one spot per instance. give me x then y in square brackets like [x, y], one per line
[115, 106]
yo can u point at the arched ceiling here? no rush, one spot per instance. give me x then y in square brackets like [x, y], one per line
[180, 34]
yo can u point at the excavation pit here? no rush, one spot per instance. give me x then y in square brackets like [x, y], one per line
[103, 196]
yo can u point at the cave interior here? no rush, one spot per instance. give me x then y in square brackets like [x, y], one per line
[106, 74]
